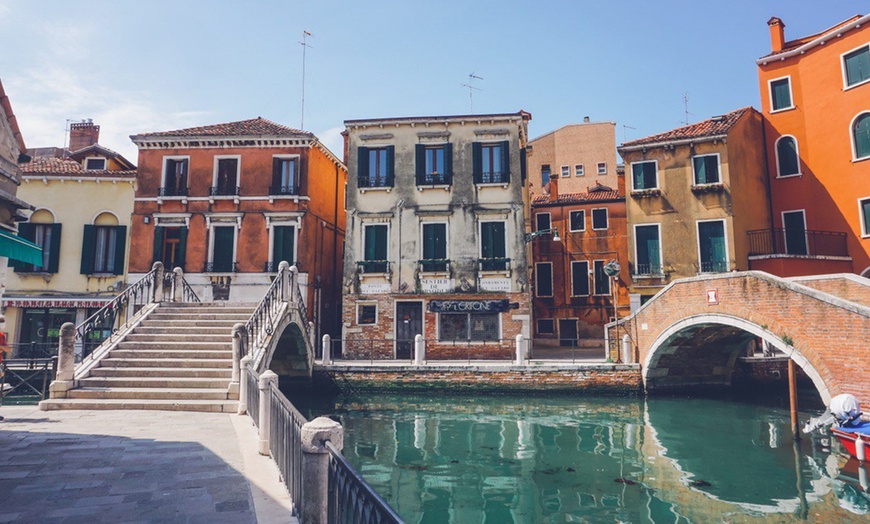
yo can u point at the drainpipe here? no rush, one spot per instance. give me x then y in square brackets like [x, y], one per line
[399, 206]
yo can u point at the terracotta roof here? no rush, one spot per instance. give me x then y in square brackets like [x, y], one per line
[49, 166]
[794, 44]
[716, 126]
[253, 127]
[593, 195]
[84, 152]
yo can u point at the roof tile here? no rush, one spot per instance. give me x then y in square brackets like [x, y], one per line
[578, 198]
[718, 125]
[51, 166]
[253, 127]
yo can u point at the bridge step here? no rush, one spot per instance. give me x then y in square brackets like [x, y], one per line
[151, 393]
[154, 382]
[193, 362]
[162, 329]
[177, 345]
[191, 322]
[176, 337]
[219, 406]
[159, 315]
[161, 372]
[172, 353]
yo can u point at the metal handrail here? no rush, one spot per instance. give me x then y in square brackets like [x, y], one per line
[351, 498]
[261, 323]
[782, 241]
[285, 441]
[188, 294]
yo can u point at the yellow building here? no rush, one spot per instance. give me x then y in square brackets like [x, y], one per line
[83, 203]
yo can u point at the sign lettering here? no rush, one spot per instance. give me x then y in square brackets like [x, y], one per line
[468, 306]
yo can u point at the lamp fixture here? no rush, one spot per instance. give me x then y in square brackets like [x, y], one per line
[528, 237]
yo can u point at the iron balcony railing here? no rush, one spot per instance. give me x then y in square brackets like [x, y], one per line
[714, 266]
[781, 241]
[351, 499]
[648, 269]
[497, 177]
[373, 266]
[169, 191]
[434, 265]
[221, 267]
[278, 189]
[223, 191]
[435, 179]
[494, 264]
[374, 180]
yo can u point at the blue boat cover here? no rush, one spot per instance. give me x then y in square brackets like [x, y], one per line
[860, 427]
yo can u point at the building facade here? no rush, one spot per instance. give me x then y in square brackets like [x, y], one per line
[694, 195]
[815, 98]
[83, 201]
[228, 202]
[435, 236]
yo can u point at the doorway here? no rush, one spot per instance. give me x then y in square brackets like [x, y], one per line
[795, 225]
[409, 323]
[568, 332]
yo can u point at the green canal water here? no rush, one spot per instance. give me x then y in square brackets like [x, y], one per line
[485, 459]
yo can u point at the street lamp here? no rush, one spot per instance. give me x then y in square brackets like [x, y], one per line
[528, 237]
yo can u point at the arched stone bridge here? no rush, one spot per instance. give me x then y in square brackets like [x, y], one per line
[691, 332]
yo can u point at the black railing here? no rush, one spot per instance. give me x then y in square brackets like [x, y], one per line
[277, 190]
[223, 191]
[497, 177]
[373, 266]
[285, 441]
[780, 241]
[573, 349]
[220, 267]
[359, 349]
[494, 264]
[26, 377]
[253, 394]
[648, 269]
[714, 266]
[434, 264]
[351, 499]
[261, 323]
[34, 349]
[188, 294]
[435, 179]
[169, 191]
[374, 180]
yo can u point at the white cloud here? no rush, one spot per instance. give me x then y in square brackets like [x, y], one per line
[333, 140]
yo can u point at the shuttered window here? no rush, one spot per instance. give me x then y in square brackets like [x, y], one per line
[46, 236]
[646, 243]
[644, 176]
[434, 164]
[861, 136]
[577, 220]
[602, 281]
[283, 245]
[434, 247]
[857, 66]
[492, 246]
[223, 249]
[544, 279]
[491, 162]
[175, 181]
[787, 162]
[170, 245]
[780, 94]
[865, 217]
[711, 247]
[579, 278]
[375, 166]
[285, 177]
[706, 168]
[103, 249]
[375, 248]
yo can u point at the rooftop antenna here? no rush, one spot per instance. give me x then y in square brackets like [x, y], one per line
[65, 137]
[624, 127]
[686, 107]
[471, 89]
[304, 44]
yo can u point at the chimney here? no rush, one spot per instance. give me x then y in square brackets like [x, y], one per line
[553, 188]
[83, 134]
[777, 36]
[585, 119]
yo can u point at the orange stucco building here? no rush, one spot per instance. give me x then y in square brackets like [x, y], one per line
[228, 202]
[815, 99]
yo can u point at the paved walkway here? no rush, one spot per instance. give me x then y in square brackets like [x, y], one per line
[135, 466]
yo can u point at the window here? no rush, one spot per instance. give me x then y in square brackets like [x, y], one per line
[780, 94]
[644, 175]
[103, 249]
[577, 220]
[283, 246]
[787, 159]
[546, 326]
[856, 66]
[223, 250]
[491, 163]
[226, 179]
[95, 164]
[174, 177]
[706, 169]
[864, 211]
[375, 166]
[794, 224]
[468, 326]
[602, 168]
[434, 164]
[366, 314]
[46, 236]
[544, 279]
[542, 222]
[712, 253]
[434, 250]
[375, 248]
[566, 171]
[545, 174]
[285, 176]
[579, 278]
[578, 170]
[492, 247]
[170, 245]
[647, 250]
[599, 219]
[861, 136]
[602, 281]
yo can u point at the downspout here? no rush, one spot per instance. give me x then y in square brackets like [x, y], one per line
[399, 206]
[335, 260]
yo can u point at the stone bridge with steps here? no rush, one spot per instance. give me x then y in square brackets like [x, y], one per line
[691, 333]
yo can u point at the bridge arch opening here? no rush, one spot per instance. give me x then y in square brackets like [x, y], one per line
[701, 351]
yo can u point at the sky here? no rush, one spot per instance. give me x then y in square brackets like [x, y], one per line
[142, 66]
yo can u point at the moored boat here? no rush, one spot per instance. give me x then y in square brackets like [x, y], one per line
[855, 439]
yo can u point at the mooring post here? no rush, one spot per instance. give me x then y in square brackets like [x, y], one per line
[326, 350]
[419, 350]
[177, 279]
[238, 332]
[157, 295]
[244, 364]
[66, 358]
[266, 380]
[315, 468]
[519, 351]
[792, 400]
[626, 349]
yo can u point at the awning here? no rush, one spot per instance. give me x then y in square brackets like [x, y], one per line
[17, 248]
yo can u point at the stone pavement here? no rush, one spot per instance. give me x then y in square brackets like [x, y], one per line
[135, 466]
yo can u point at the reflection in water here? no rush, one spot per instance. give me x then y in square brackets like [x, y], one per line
[500, 460]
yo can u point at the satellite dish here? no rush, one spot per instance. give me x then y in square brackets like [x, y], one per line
[611, 268]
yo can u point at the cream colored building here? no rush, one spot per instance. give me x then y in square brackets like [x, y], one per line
[81, 220]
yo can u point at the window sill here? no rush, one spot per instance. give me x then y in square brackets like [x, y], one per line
[445, 187]
[646, 193]
[853, 86]
[434, 274]
[386, 275]
[42, 274]
[717, 187]
[382, 188]
[782, 110]
[862, 159]
[650, 276]
[579, 296]
[493, 273]
[104, 275]
[796, 175]
[502, 185]
[576, 230]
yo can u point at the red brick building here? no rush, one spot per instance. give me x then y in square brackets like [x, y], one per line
[228, 202]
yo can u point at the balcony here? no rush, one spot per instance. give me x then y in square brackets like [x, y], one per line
[434, 265]
[435, 179]
[497, 177]
[279, 190]
[780, 242]
[221, 267]
[494, 264]
[648, 270]
[714, 266]
[374, 181]
[226, 190]
[373, 266]
[169, 191]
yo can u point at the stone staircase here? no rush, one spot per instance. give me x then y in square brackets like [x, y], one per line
[178, 358]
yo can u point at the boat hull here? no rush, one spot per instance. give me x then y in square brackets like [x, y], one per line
[849, 443]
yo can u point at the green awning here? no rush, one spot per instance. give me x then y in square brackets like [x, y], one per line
[16, 248]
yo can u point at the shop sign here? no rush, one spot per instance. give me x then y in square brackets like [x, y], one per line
[57, 303]
[436, 285]
[374, 289]
[468, 306]
[498, 285]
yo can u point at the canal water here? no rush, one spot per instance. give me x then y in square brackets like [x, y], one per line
[486, 459]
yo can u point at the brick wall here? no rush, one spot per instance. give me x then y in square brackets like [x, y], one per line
[840, 287]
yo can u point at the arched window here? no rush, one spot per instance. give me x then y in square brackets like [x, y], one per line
[103, 246]
[787, 159]
[45, 233]
[861, 136]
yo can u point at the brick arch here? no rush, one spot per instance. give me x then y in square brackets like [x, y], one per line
[828, 334]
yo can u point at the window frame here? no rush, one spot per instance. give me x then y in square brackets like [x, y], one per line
[599, 169]
[606, 218]
[211, 246]
[537, 287]
[698, 243]
[595, 280]
[468, 317]
[797, 153]
[538, 221]
[446, 241]
[846, 85]
[579, 172]
[215, 174]
[855, 157]
[88, 159]
[695, 182]
[164, 174]
[565, 172]
[363, 243]
[297, 176]
[507, 253]
[549, 174]
[538, 326]
[570, 222]
[588, 289]
[770, 94]
[272, 224]
[661, 261]
[631, 174]
[362, 304]
[803, 213]
[112, 240]
[862, 218]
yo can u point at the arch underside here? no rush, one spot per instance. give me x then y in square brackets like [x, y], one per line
[288, 356]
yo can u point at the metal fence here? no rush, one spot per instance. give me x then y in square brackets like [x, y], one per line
[780, 241]
[351, 499]
[34, 349]
[26, 377]
[252, 389]
[564, 349]
[285, 442]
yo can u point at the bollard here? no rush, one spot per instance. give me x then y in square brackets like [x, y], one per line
[284, 272]
[326, 356]
[66, 357]
[239, 332]
[419, 350]
[626, 349]
[243, 384]
[519, 350]
[177, 278]
[315, 467]
[266, 380]
[291, 283]
[157, 296]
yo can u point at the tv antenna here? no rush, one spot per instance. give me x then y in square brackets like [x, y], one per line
[624, 127]
[686, 107]
[305, 45]
[471, 89]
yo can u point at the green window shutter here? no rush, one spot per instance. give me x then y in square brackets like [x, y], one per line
[506, 158]
[477, 162]
[54, 251]
[440, 241]
[27, 231]
[712, 168]
[120, 248]
[862, 136]
[278, 246]
[157, 249]
[369, 247]
[282, 248]
[381, 242]
[857, 66]
[448, 160]
[602, 281]
[420, 160]
[276, 174]
[865, 211]
[523, 165]
[362, 156]
[182, 248]
[781, 94]
[428, 241]
[637, 176]
[222, 254]
[700, 170]
[647, 243]
[87, 266]
[498, 240]
[391, 165]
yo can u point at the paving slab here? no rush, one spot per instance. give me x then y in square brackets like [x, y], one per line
[135, 466]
